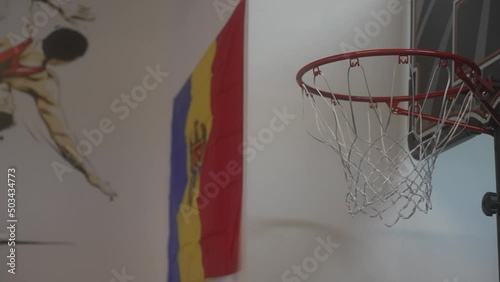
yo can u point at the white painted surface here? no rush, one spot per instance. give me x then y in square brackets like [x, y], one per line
[295, 186]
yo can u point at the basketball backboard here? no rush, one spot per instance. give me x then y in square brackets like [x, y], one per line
[468, 28]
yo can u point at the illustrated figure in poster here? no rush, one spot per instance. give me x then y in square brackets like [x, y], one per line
[25, 67]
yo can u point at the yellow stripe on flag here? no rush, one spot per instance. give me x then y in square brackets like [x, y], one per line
[198, 126]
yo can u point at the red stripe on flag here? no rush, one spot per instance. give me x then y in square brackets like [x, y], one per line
[222, 172]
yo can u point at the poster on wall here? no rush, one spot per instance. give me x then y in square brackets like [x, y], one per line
[206, 165]
[28, 58]
[37, 38]
[83, 84]
[70, 183]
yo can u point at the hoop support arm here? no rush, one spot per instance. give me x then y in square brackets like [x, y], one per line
[483, 86]
[400, 111]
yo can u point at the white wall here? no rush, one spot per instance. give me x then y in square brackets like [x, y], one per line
[295, 189]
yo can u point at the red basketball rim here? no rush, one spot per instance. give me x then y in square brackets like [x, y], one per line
[473, 72]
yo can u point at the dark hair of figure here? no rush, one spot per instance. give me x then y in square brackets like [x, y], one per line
[64, 44]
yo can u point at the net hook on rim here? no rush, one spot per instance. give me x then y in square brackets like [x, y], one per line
[403, 59]
[354, 62]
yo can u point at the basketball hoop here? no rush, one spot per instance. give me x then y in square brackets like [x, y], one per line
[385, 178]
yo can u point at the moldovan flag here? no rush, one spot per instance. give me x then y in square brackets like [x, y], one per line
[206, 164]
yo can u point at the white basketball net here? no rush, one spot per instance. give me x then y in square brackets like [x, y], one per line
[383, 179]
